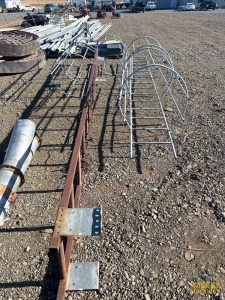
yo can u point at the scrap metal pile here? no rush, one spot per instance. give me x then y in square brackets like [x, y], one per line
[54, 40]
[19, 52]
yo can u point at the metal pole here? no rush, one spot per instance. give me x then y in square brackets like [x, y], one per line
[22, 146]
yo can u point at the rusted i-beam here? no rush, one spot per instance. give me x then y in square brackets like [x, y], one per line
[72, 189]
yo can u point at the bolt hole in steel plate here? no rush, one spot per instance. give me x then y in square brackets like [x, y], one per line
[83, 276]
[79, 222]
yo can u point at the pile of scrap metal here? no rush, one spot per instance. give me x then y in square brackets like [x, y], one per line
[19, 52]
[55, 40]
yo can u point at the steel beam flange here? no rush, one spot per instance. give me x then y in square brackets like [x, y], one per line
[18, 43]
[16, 66]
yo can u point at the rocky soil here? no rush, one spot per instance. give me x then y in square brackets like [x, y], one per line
[163, 218]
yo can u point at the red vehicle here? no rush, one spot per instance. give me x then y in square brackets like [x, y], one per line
[101, 13]
[85, 11]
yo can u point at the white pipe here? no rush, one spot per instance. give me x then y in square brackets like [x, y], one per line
[22, 146]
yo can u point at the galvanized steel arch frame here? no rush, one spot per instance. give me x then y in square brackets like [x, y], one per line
[176, 76]
[152, 61]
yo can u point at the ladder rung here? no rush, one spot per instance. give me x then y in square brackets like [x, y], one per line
[146, 128]
[151, 101]
[151, 142]
[143, 82]
[147, 118]
[137, 108]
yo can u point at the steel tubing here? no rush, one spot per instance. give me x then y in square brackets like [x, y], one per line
[22, 146]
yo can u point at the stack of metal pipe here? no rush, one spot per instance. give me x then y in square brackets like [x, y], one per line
[53, 38]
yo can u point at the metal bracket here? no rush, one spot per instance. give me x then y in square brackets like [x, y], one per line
[83, 276]
[79, 222]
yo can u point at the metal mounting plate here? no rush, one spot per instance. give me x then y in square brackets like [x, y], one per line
[79, 222]
[83, 276]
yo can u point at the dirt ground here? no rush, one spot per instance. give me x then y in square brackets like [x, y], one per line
[163, 218]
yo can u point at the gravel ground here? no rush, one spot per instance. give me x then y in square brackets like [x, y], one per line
[163, 218]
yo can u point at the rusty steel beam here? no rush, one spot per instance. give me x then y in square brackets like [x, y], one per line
[73, 185]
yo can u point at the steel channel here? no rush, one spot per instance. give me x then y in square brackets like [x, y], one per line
[69, 187]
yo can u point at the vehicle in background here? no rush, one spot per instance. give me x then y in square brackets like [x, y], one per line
[9, 6]
[150, 6]
[34, 20]
[26, 7]
[48, 8]
[207, 5]
[188, 6]
[138, 6]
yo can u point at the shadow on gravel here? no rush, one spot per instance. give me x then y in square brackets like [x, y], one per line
[104, 124]
[27, 229]
[27, 112]
[51, 279]
[26, 83]
[19, 284]
[137, 147]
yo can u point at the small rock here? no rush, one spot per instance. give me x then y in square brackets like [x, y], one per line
[154, 275]
[147, 297]
[143, 229]
[126, 274]
[208, 199]
[222, 270]
[154, 216]
[49, 230]
[180, 283]
[172, 248]
[189, 256]
[132, 278]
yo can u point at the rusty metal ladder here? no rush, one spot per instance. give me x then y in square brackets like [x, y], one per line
[71, 220]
